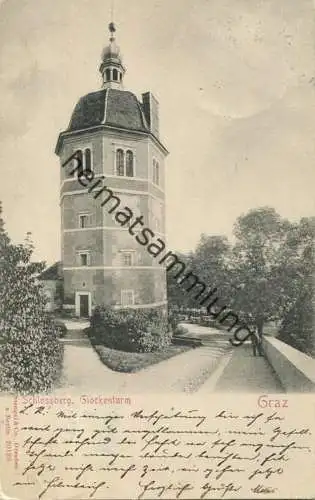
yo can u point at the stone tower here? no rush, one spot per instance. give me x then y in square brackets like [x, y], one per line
[116, 136]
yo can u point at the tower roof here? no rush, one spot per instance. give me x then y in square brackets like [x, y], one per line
[112, 106]
[117, 108]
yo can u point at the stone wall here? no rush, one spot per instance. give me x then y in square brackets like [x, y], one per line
[296, 370]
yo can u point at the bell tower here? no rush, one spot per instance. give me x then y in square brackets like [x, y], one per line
[116, 136]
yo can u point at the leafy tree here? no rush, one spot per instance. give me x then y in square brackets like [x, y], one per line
[211, 263]
[176, 295]
[296, 271]
[30, 354]
[259, 294]
[267, 274]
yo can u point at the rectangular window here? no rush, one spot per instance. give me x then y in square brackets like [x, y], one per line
[127, 297]
[83, 220]
[127, 258]
[157, 224]
[156, 172]
[84, 258]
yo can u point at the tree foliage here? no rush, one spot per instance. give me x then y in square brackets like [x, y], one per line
[256, 291]
[210, 262]
[266, 275]
[30, 354]
[177, 296]
[297, 328]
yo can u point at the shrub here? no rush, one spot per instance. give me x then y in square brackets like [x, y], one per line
[173, 319]
[297, 327]
[180, 330]
[130, 330]
[61, 328]
[30, 355]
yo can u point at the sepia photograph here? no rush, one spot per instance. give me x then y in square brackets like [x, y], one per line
[157, 238]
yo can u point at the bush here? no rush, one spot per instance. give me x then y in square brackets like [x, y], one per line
[31, 357]
[180, 330]
[130, 330]
[60, 328]
[297, 328]
[173, 319]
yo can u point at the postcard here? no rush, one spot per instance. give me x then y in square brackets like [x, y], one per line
[157, 224]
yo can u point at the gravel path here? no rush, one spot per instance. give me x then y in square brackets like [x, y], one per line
[186, 372]
[216, 366]
[247, 373]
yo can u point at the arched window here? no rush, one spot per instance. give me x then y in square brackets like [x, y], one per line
[120, 162]
[129, 163]
[88, 165]
[79, 158]
[115, 75]
[107, 75]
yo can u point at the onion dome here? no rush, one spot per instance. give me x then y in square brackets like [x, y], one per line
[111, 68]
[112, 51]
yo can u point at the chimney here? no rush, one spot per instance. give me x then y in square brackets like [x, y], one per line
[151, 112]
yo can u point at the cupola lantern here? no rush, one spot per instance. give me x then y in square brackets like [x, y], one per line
[111, 68]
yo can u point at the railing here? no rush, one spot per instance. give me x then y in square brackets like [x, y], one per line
[198, 316]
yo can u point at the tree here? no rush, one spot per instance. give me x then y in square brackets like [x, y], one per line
[297, 328]
[211, 263]
[258, 292]
[177, 297]
[266, 275]
[30, 354]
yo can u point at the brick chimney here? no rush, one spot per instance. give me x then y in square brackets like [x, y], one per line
[151, 112]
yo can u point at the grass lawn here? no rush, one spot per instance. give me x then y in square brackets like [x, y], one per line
[130, 362]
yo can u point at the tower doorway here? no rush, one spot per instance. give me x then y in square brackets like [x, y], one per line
[83, 307]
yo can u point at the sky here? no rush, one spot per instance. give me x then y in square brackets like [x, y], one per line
[235, 81]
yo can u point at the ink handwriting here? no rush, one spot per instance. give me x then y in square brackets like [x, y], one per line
[174, 453]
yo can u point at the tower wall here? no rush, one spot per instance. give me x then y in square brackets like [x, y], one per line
[106, 276]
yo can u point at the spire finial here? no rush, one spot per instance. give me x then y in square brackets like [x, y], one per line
[112, 68]
[111, 26]
[112, 30]
[112, 10]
